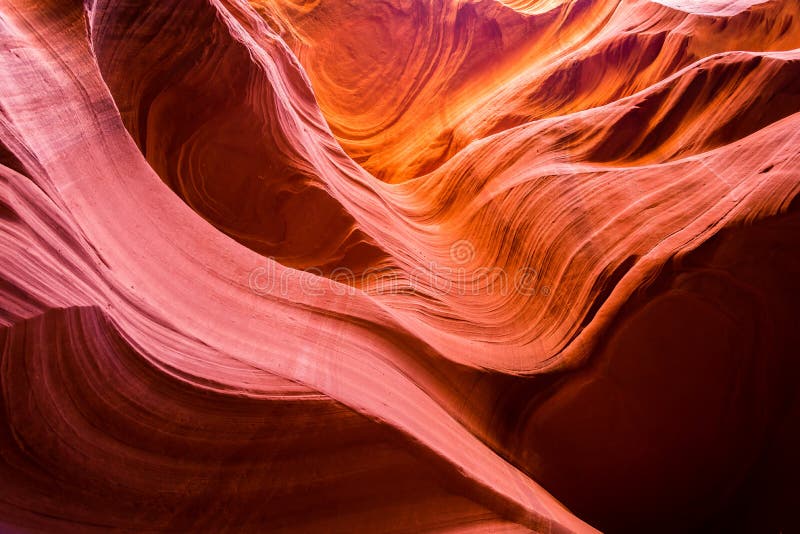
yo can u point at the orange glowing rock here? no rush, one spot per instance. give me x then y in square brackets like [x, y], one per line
[413, 265]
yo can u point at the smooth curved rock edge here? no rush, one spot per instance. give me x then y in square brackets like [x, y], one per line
[185, 182]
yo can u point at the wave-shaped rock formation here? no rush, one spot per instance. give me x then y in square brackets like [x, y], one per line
[399, 266]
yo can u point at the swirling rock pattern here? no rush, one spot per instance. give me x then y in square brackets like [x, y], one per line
[403, 266]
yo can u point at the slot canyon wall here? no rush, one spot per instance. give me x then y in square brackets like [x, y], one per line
[399, 265]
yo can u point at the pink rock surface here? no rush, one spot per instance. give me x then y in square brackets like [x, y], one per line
[411, 266]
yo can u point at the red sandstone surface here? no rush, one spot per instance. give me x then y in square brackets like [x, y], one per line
[399, 266]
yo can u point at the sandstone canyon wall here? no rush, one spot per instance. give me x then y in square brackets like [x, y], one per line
[399, 265]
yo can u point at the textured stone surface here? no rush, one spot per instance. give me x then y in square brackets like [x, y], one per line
[406, 266]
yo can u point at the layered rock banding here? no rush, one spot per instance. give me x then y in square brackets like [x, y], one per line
[414, 265]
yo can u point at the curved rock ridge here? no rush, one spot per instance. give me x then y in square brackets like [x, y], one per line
[469, 69]
[713, 7]
[415, 265]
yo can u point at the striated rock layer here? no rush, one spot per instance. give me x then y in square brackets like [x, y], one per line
[402, 266]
